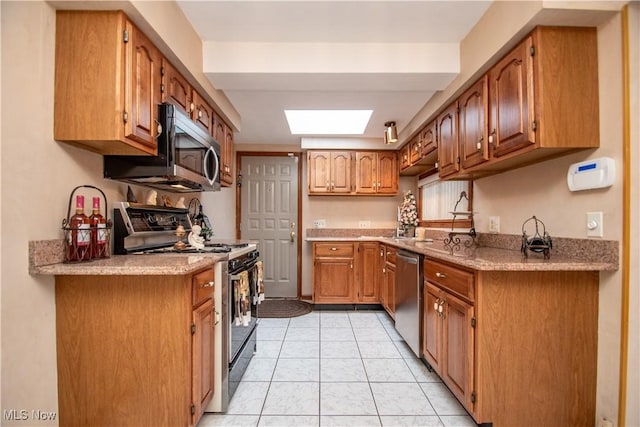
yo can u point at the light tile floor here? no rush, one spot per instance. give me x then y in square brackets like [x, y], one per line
[331, 368]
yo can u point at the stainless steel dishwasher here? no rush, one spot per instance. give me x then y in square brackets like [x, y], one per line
[408, 284]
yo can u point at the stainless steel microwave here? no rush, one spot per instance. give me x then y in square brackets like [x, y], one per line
[188, 158]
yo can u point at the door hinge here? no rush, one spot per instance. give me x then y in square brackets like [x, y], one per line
[473, 397]
[125, 116]
[458, 159]
[532, 50]
[473, 322]
[193, 328]
[161, 88]
[162, 71]
[534, 125]
[125, 36]
[193, 409]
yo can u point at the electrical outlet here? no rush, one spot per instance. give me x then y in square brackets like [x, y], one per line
[494, 224]
[319, 223]
[603, 422]
[364, 224]
[595, 224]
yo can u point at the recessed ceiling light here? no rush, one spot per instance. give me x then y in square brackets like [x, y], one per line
[327, 122]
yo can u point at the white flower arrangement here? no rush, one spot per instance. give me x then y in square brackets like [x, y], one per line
[409, 210]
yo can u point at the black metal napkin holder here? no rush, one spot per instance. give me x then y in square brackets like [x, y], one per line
[538, 243]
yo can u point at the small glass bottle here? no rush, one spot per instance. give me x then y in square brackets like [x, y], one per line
[80, 236]
[98, 231]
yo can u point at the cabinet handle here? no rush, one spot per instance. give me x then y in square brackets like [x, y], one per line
[158, 128]
[328, 188]
[351, 265]
[384, 270]
[210, 284]
[479, 144]
[492, 137]
[333, 185]
[441, 275]
[381, 252]
[199, 114]
[334, 249]
[192, 107]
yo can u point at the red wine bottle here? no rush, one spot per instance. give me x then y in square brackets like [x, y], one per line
[80, 236]
[98, 232]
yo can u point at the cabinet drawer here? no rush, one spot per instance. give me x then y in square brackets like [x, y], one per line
[390, 255]
[202, 284]
[457, 281]
[333, 249]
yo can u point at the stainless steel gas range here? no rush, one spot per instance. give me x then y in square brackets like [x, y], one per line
[149, 230]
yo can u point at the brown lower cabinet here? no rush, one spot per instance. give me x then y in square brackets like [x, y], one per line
[347, 273]
[134, 350]
[388, 284]
[515, 347]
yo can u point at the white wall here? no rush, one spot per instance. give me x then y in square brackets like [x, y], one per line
[37, 176]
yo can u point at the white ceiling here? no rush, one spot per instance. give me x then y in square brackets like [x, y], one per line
[389, 56]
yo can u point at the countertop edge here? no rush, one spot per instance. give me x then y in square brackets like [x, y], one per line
[532, 264]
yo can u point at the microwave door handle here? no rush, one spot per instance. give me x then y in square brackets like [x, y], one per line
[216, 169]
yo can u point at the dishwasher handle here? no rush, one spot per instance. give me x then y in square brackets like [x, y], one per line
[408, 257]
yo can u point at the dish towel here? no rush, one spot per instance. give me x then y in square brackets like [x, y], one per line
[258, 283]
[241, 299]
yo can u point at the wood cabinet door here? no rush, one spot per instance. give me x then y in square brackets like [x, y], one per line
[473, 134]
[368, 272]
[143, 83]
[387, 173]
[202, 345]
[429, 139]
[458, 342]
[511, 101]
[405, 156]
[366, 172]
[340, 172]
[382, 271]
[228, 156]
[333, 280]
[202, 113]
[448, 141]
[415, 149]
[391, 289]
[319, 171]
[432, 327]
[175, 88]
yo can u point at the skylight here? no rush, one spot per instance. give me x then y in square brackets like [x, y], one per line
[327, 122]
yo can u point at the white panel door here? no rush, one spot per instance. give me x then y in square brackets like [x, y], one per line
[269, 214]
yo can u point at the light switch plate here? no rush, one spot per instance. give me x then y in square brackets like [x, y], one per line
[595, 226]
[494, 224]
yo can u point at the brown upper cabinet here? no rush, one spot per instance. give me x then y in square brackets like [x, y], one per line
[202, 113]
[542, 102]
[419, 155]
[224, 135]
[539, 101]
[352, 173]
[329, 172]
[107, 83]
[175, 88]
[376, 172]
[448, 160]
[472, 125]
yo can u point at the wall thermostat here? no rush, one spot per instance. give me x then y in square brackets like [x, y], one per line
[590, 174]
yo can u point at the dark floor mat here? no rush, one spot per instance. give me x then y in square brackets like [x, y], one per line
[283, 308]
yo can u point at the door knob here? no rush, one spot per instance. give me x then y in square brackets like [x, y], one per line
[293, 235]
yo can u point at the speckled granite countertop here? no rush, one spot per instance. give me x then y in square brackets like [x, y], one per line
[46, 258]
[567, 255]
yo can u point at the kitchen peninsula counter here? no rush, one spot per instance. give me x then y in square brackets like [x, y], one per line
[487, 258]
[136, 265]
